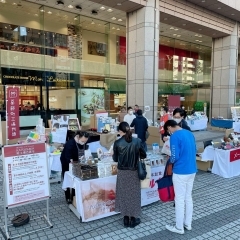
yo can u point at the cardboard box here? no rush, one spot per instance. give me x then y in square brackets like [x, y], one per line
[154, 136]
[93, 119]
[74, 202]
[228, 132]
[202, 165]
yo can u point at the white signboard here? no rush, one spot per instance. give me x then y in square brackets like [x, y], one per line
[59, 128]
[25, 173]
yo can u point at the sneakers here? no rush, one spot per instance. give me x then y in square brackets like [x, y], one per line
[174, 229]
[189, 228]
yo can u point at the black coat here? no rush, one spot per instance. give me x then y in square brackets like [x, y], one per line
[140, 125]
[70, 151]
[183, 124]
[127, 154]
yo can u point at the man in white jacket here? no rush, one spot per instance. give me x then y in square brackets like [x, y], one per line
[129, 116]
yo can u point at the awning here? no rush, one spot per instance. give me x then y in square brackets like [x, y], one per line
[116, 85]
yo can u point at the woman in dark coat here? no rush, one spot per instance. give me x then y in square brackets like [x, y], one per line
[73, 150]
[126, 151]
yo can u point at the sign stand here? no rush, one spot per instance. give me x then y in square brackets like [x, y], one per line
[25, 170]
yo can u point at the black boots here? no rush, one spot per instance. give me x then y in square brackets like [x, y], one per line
[126, 221]
[134, 222]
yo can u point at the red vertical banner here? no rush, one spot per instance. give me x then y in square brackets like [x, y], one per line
[173, 102]
[12, 100]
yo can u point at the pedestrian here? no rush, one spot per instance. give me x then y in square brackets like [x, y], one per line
[183, 158]
[122, 114]
[136, 107]
[178, 116]
[73, 150]
[129, 116]
[140, 125]
[185, 113]
[164, 117]
[127, 151]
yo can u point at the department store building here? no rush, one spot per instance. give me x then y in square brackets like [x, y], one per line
[75, 56]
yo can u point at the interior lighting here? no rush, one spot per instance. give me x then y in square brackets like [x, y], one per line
[113, 27]
[232, 14]
[120, 20]
[118, 29]
[70, 6]
[219, 8]
[14, 3]
[36, 14]
[178, 35]
[75, 19]
[113, 18]
[3, 1]
[49, 12]
[109, 10]
[102, 8]
[42, 10]
[119, 4]
[92, 22]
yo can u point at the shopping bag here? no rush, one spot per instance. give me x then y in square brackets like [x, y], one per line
[166, 148]
[165, 186]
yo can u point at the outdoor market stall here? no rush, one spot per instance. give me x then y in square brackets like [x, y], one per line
[198, 124]
[226, 163]
[95, 198]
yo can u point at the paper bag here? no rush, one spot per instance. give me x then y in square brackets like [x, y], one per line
[166, 148]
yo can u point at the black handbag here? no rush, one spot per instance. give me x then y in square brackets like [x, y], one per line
[142, 172]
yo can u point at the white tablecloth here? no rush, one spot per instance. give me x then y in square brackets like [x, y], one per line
[226, 163]
[208, 154]
[236, 127]
[200, 124]
[95, 198]
[54, 163]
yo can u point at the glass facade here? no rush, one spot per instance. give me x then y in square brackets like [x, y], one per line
[72, 64]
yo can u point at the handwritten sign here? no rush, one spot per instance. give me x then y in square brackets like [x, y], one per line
[12, 98]
[25, 173]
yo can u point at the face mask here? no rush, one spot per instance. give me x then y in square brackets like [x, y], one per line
[177, 120]
[161, 113]
[131, 112]
[183, 108]
[81, 142]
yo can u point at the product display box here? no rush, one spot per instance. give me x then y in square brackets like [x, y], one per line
[154, 136]
[203, 165]
[93, 118]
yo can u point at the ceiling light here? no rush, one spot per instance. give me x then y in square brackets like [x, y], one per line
[94, 12]
[49, 12]
[75, 19]
[113, 18]
[70, 6]
[3, 1]
[203, 0]
[78, 7]
[92, 22]
[219, 8]
[36, 14]
[119, 4]
[102, 8]
[175, 29]
[232, 14]
[184, 24]
[174, 34]
[120, 20]
[61, 3]
[113, 27]
[109, 10]
[14, 4]
[178, 35]
[42, 10]
[118, 29]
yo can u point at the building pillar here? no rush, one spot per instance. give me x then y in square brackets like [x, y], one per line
[224, 74]
[142, 57]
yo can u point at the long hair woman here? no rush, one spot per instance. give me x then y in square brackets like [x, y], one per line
[127, 151]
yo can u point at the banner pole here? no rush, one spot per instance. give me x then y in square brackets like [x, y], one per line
[6, 100]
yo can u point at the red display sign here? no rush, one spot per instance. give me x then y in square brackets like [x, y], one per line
[235, 155]
[173, 102]
[12, 98]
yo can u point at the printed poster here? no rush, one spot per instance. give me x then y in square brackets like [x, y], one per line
[150, 195]
[59, 128]
[12, 107]
[173, 102]
[25, 173]
[97, 198]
